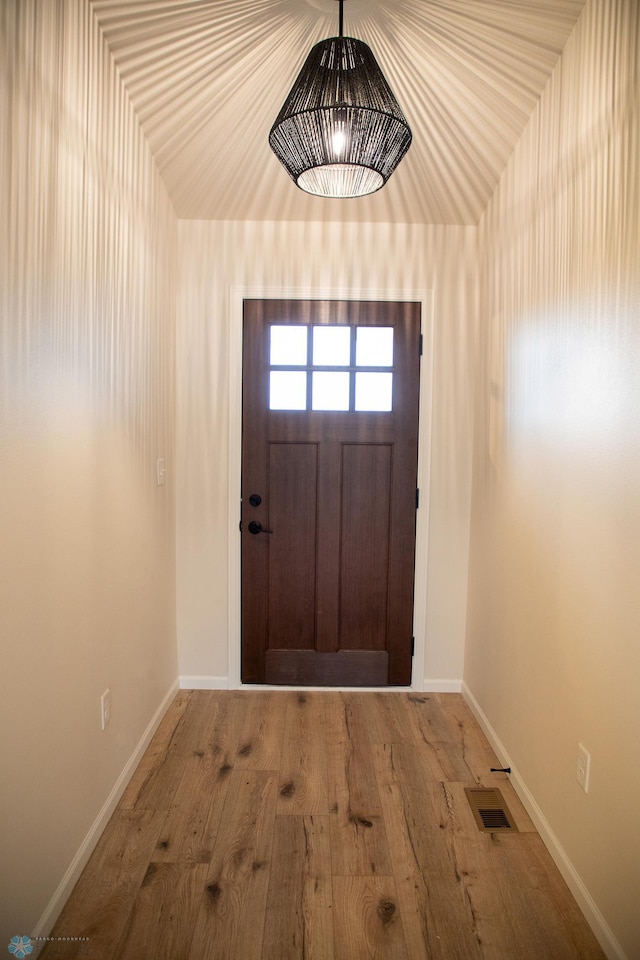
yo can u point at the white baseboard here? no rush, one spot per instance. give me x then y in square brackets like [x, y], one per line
[202, 682]
[587, 904]
[198, 682]
[442, 686]
[77, 865]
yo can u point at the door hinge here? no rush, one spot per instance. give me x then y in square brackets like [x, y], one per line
[417, 497]
[421, 345]
[413, 646]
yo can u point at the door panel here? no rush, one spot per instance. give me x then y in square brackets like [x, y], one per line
[292, 493]
[327, 581]
[364, 546]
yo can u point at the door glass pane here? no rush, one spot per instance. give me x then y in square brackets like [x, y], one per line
[374, 346]
[374, 391]
[288, 346]
[331, 347]
[287, 390]
[330, 391]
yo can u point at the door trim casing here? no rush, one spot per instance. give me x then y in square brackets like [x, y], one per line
[237, 295]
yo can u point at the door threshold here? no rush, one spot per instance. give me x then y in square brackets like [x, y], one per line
[304, 687]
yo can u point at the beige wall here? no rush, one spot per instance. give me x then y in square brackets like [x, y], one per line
[553, 651]
[216, 259]
[87, 257]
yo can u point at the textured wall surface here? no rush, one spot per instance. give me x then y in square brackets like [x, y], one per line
[217, 257]
[552, 652]
[87, 259]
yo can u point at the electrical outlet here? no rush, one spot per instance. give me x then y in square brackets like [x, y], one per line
[105, 708]
[583, 766]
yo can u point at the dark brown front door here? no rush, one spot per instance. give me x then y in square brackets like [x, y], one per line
[329, 466]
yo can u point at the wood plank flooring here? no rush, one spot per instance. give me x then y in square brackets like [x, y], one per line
[276, 825]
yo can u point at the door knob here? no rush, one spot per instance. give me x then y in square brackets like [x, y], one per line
[256, 527]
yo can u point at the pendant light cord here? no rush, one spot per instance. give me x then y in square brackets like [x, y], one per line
[341, 18]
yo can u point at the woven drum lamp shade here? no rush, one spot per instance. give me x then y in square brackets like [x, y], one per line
[340, 132]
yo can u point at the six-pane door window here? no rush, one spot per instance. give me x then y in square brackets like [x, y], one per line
[331, 368]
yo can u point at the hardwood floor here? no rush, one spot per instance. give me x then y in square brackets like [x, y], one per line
[274, 825]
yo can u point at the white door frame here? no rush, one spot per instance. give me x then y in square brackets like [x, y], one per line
[237, 295]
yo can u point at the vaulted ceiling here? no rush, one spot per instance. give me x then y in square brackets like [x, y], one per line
[207, 78]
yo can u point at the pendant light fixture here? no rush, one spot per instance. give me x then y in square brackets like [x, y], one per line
[340, 132]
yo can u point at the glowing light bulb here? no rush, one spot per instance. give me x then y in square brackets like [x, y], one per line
[339, 141]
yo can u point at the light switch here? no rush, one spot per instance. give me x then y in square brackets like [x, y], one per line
[161, 471]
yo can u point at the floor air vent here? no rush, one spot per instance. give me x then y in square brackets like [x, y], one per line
[490, 810]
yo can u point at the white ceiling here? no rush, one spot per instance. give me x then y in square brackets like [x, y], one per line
[207, 78]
